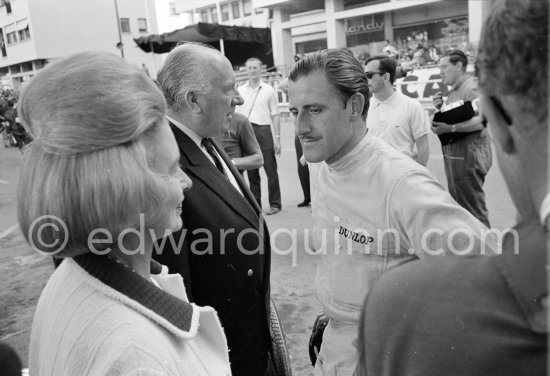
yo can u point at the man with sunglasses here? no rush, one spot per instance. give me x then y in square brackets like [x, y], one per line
[399, 120]
[481, 316]
[466, 149]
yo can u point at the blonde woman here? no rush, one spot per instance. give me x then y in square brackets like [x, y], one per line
[98, 185]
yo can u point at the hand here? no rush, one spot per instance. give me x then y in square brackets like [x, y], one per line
[303, 161]
[277, 147]
[439, 127]
[437, 100]
[440, 124]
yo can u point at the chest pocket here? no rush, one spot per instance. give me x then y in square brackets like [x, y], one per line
[351, 263]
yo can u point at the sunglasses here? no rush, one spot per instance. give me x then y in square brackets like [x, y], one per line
[370, 74]
[500, 108]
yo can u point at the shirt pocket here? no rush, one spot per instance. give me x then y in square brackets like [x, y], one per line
[356, 263]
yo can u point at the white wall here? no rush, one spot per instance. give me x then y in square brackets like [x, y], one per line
[134, 9]
[63, 27]
[168, 22]
[20, 51]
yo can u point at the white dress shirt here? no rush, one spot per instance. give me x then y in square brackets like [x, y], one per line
[198, 141]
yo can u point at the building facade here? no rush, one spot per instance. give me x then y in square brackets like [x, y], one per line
[304, 26]
[35, 32]
[228, 12]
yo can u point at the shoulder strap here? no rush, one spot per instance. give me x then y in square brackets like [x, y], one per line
[254, 101]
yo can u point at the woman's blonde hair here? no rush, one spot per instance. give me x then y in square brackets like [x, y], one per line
[90, 115]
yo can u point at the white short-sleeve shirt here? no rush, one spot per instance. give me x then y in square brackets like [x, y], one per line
[400, 121]
[260, 104]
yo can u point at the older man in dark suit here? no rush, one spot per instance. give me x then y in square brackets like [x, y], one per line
[223, 252]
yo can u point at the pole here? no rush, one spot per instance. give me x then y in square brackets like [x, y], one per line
[119, 31]
[219, 11]
[153, 53]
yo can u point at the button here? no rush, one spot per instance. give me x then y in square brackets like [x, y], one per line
[250, 272]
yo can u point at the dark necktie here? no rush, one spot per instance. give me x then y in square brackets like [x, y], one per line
[207, 143]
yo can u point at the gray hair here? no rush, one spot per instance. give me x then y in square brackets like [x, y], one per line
[342, 70]
[183, 72]
[92, 115]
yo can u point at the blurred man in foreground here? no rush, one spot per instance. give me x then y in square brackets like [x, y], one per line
[482, 316]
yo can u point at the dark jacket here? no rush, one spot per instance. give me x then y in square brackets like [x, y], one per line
[224, 257]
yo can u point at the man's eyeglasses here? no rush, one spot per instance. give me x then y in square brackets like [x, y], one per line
[500, 108]
[370, 74]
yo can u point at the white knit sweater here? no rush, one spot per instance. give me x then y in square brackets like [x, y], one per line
[85, 327]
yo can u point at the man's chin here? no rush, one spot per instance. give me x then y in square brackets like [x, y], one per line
[312, 157]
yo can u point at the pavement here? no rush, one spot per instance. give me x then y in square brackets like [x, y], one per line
[23, 273]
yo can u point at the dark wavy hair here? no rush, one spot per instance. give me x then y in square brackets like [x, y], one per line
[456, 56]
[387, 65]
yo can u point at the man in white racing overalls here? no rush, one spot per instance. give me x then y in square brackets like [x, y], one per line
[373, 207]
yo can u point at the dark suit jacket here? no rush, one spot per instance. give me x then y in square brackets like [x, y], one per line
[224, 257]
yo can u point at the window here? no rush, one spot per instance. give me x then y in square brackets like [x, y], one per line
[39, 64]
[8, 6]
[235, 9]
[23, 31]
[247, 5]
[142, 25]
[24, 34]
[2, 47]
[444, 34]
[26, 67]
[12, 38]
[214, 14]
[352, 4]
[11, 34]
[204, 15]
[225, 12]
[172, 6]
[125, 25]
[310, 46]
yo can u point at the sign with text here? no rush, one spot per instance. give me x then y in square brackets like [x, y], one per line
[365, 24]
[422, 83]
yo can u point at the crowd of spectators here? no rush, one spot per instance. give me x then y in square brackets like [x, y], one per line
[13, 133]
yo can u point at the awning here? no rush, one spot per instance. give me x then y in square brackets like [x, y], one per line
[240, 42]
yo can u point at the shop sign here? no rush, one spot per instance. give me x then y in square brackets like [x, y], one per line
[374, 26]
[365, 24]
